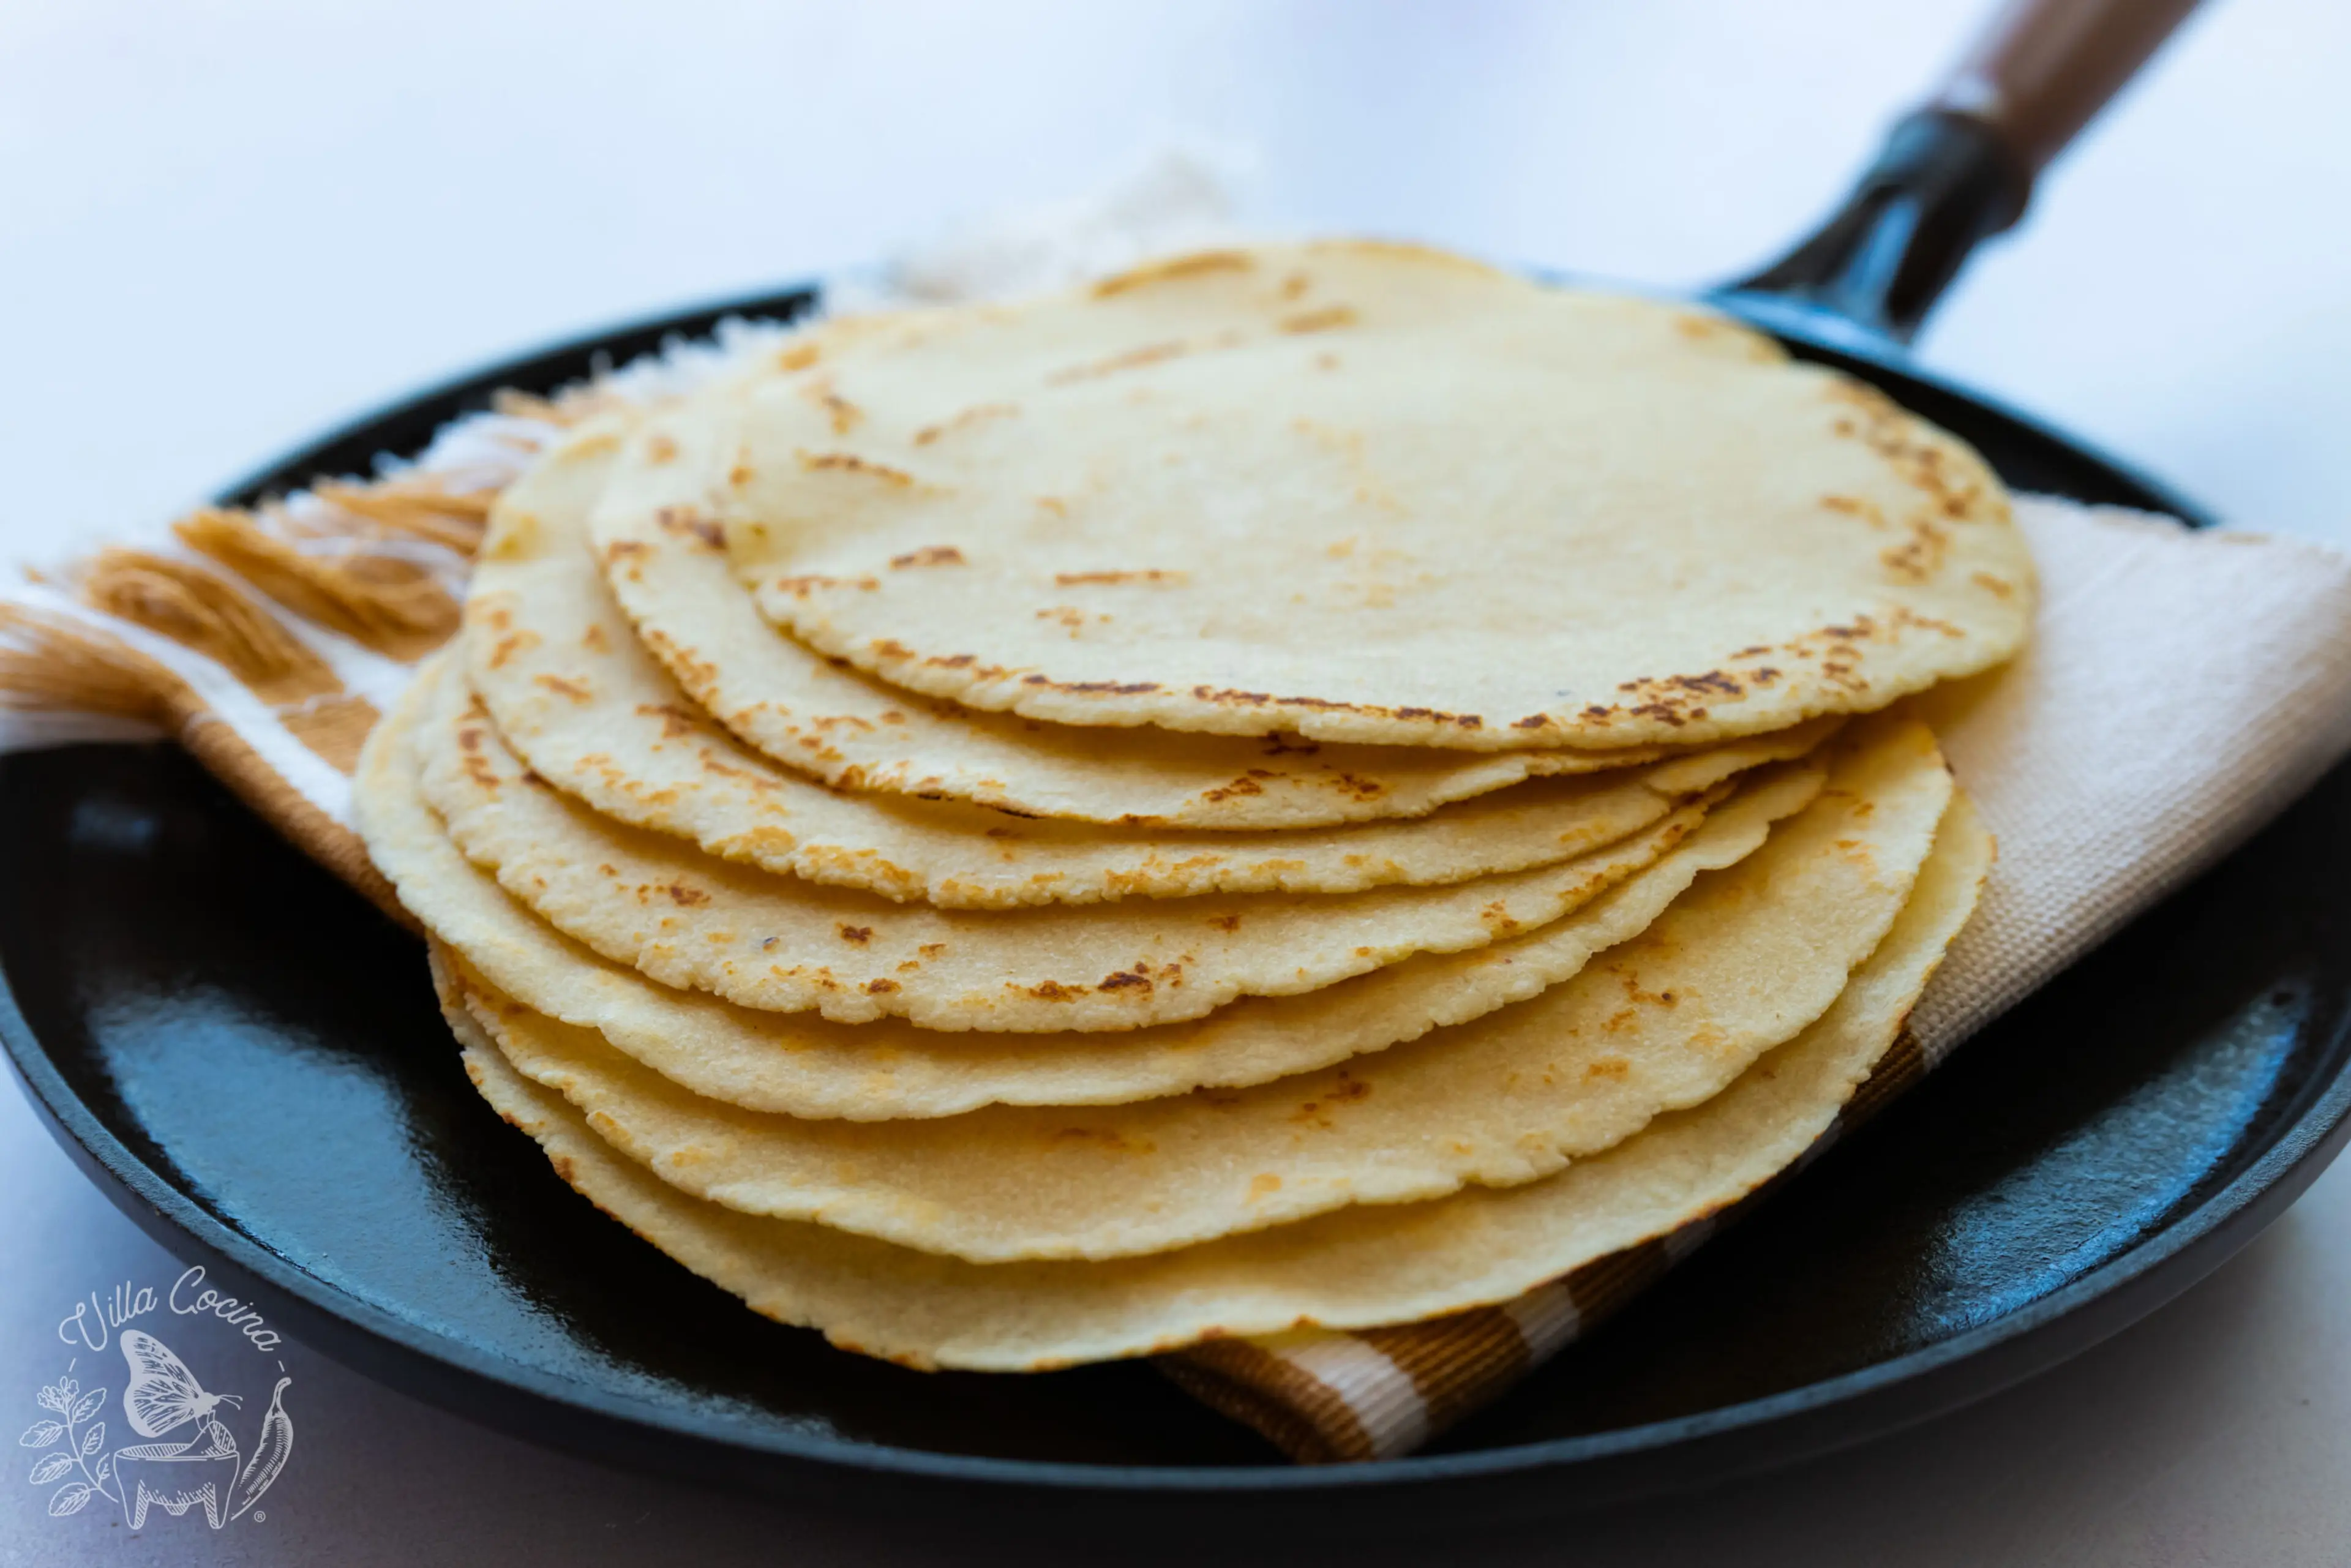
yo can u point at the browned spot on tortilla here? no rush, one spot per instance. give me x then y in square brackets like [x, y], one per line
[684, 522]
[1103, 1137]
[845, 415]
[1246, 785]
[929, 555]
[1112, 689]
[577, 690]
[1856, 507]
[965, 420]
[661, 448]
[675, 721]
[479, 768]
[1714, 681]
[1457, 720]
[1323, 320]
[1130, 359]
[507, 646]
[1148, 574]
[1632, 991]
[1316, 1112]
[1920, 556]
[857, 935]
[1168, 271]
[849, 463]
[880, 988]
[685, 897]
[801, 587]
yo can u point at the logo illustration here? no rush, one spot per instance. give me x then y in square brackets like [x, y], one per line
[160, 1399]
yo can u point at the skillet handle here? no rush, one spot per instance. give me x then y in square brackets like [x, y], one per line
[1960, 169]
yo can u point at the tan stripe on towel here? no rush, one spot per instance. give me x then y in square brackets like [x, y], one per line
[419, 507]
[335, 727]
[1293, 1410]
[215, 614]
[393, 606]
[212, 614]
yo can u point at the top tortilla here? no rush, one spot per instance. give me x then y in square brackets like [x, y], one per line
[1371, 495]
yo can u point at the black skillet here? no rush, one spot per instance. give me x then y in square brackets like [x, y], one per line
[246, 1058]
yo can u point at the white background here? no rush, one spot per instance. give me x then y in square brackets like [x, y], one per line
[225, 226]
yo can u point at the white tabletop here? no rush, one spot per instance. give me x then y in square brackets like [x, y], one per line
[228, 227]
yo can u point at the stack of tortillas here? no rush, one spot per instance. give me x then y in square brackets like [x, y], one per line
[1318, 784]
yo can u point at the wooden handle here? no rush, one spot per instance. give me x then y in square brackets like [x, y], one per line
[2042, 68]
[1960, 167]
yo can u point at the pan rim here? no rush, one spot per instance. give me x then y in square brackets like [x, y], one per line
[2028, 1341]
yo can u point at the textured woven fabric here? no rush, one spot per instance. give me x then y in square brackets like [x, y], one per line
[2182, 689]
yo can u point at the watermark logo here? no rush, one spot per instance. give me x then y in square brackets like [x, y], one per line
[207, 1470]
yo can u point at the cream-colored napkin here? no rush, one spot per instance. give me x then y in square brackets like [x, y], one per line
[2181, 689]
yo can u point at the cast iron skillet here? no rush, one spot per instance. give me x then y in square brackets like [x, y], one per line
[246, 1058]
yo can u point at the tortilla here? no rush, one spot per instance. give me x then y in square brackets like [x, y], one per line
[806, 1066]
[1358, 1268]
[585, 707]
[1373, 497]
[779, 944]
[663, 567]
[1738, 964]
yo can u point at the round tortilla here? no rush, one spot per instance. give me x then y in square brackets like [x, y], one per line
[1739, 963]
[660, 558]
[780, 944]
[585, 707]
[1358, 1268]
[802, 1065]
[1373, 495]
